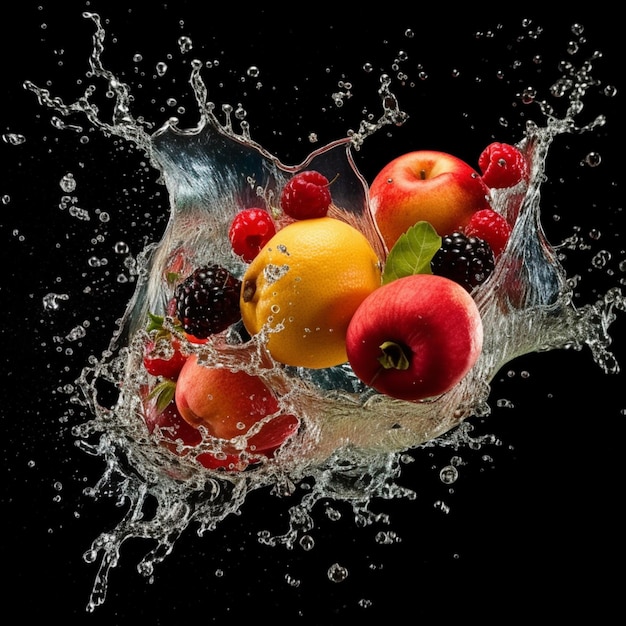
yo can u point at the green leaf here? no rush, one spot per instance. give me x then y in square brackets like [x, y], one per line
[155, 322]
[172, 278]
[164, 393]
[412, 252]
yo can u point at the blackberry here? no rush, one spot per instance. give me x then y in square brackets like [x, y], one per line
[207, 301]
[466, 260]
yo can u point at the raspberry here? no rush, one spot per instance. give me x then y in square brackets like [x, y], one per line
[502, 165]
[249, 231]
[306, 195]
[489, 225]
[467, 260]
[207, 301]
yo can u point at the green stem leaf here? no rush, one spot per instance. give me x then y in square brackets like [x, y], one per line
[393, 356]
[412, 252]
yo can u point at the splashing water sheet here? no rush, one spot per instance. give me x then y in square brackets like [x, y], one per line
[132, 141]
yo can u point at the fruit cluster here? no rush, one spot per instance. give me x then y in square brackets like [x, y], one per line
[318, 294]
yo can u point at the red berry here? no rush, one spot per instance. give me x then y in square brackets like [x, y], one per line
[164, 358]
[306, 195]
[250, 231]
[502, 165]
[491, 227]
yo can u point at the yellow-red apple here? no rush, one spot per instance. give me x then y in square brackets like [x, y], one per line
[425, 185]
[415, 337]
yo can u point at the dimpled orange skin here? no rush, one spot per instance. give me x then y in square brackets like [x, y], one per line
[425, 185]
[304, 286]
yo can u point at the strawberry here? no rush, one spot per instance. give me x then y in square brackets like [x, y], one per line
[502, 165]
[162, 356]
[491, 227]
[164, 359]
[249, 231]
[306, 195]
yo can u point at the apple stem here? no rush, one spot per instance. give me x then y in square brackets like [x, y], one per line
[393, 356]
[423, 174]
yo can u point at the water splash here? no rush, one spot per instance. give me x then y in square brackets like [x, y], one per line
[352, 444]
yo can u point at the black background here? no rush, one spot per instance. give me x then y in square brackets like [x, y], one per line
[533, 526]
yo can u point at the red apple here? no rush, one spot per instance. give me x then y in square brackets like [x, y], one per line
[425, 185]
[415, 337]
[228, 403]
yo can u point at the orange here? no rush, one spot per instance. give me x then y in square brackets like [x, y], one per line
[303, 288]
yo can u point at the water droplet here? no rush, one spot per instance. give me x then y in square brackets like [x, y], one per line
[332, 513]
[161, 68]
[78, 332]
[68, 183]
[253, 71]
[307, 542]
[14, 139]
[386, 538]
[601, 259]
[185, 44]
[593, 159]
[572, 47]
[448, 474]
[528, 95]
[337, 573]
[121, 247]
[51, 301]
[90, 556]
[6, 198]
[442, 506]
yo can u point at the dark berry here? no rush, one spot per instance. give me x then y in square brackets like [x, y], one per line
[306, 195]
[207, 301]
[467, 260]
